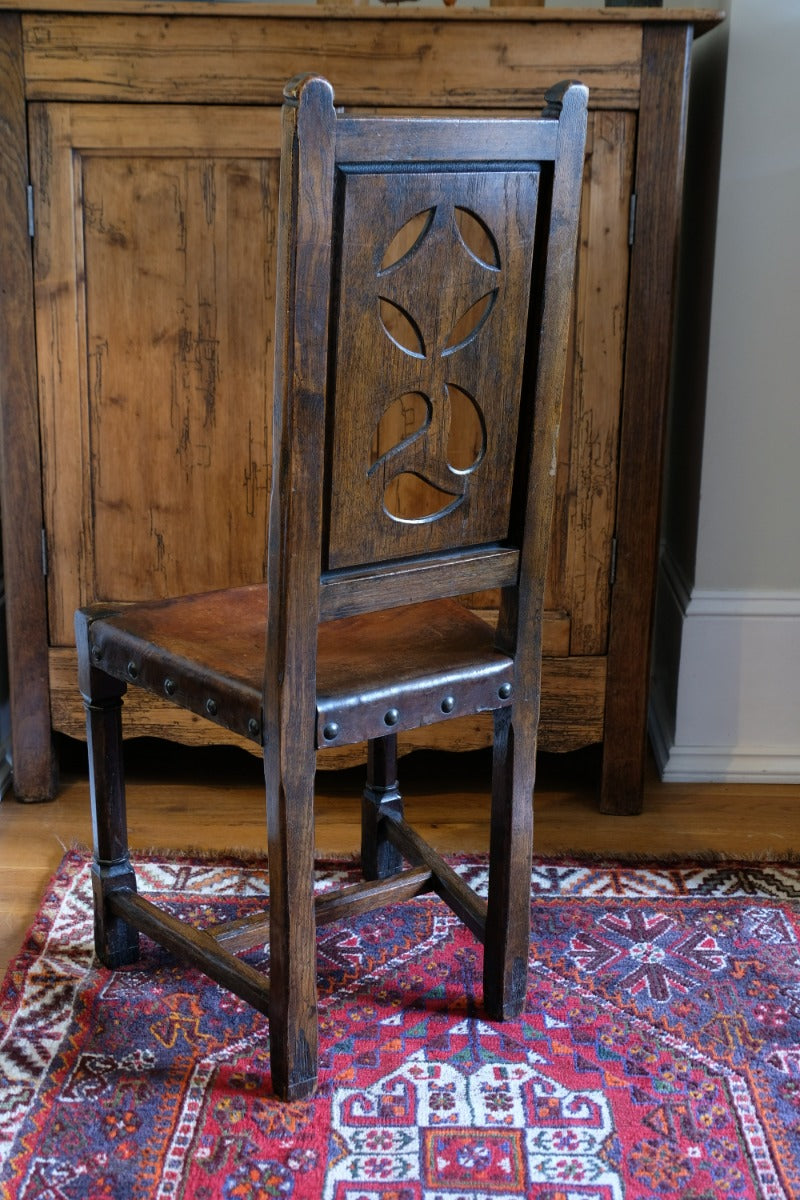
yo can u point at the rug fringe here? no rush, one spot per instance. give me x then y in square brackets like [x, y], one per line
[761, 858]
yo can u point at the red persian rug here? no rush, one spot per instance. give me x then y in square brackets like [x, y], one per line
[659, 1055]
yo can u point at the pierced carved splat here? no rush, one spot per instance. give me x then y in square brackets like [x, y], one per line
[427, 390]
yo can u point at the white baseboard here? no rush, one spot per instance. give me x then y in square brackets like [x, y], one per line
[732, 714]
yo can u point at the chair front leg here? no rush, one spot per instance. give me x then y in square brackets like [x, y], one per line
[116, 942]
[379, 858]
[293, 1031]
[507, 944]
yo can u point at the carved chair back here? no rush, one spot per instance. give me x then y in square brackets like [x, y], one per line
[423, 324]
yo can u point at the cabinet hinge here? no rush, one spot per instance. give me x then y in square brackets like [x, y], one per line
[31, 224]
[632, 219]
[44, 552]
[612, 574]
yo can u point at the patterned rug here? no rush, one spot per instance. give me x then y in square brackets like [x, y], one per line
[659, 1055]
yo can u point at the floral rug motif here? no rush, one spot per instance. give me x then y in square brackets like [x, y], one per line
[659, 1055]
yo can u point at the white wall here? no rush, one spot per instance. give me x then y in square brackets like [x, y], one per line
[726, 695]
[749, 526]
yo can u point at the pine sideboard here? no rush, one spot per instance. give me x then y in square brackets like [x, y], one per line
[138, 194]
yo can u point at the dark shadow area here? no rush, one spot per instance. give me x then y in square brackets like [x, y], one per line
[158, 761]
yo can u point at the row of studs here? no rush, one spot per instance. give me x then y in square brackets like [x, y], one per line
[170, 688]
[330, 731]
[392, 715]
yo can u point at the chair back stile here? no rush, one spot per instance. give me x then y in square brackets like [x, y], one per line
[298, 437]
[293, 564]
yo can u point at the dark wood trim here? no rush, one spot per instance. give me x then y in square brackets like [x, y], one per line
[651, 300]
[20, 466]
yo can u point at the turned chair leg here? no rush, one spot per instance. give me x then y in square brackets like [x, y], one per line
[116, 942]
[379, 858]
[507, 945]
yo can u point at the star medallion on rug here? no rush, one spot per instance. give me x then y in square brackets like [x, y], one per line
[659, 1054]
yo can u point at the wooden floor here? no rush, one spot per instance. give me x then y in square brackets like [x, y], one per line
[213, 800]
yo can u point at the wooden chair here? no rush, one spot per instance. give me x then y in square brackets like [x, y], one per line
[425, 275]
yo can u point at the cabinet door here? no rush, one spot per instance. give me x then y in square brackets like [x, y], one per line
[154, 274]
[579, 584]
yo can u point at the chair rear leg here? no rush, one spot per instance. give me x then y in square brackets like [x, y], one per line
[379, 858]
[116, 942]
[293, 1026]
[507, 944]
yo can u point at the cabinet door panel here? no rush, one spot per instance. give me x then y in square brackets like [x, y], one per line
[593, 397]
[154, 259]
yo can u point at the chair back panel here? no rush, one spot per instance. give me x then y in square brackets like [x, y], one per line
[424, 284]
[434, 272]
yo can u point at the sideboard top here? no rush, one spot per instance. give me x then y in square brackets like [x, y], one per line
[701, 19]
